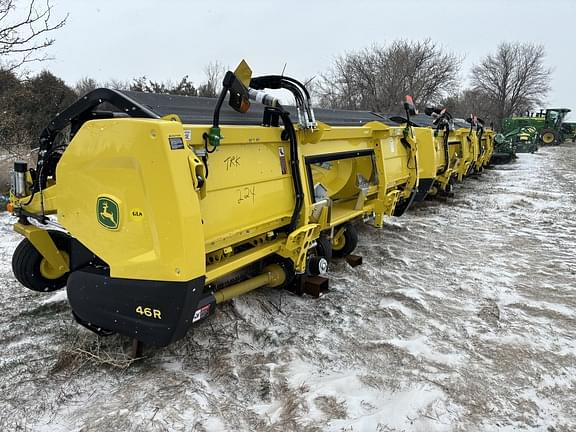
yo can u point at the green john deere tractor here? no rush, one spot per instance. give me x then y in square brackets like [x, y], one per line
[547, 123]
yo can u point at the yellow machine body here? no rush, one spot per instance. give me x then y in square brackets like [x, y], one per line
[247, 196]
[166, 219]
[461, 151]
[154, 215]
[487, 143]
[435, 169]
[124, 161]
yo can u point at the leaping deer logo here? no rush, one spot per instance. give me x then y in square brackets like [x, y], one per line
[107, 212]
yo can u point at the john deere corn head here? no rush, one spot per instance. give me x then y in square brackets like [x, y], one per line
[158, 209]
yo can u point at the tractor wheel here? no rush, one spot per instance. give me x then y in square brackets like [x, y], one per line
[33, 271]
[321, 256]
[324, 248]
[345, 243]
[550, 137]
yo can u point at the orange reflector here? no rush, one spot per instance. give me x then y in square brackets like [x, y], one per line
[244, 105]
[10, 207]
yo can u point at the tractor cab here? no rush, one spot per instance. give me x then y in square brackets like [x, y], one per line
[555, 116]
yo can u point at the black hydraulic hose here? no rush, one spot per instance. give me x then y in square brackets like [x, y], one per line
[216, 119]
[299, 84]
[301, 96]
[446, 149]
[275, 82]
[443, 122]
[295, 91]
[479, 133]
[298, 90]
[295, 166]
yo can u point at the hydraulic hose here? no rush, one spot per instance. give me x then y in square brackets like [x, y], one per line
[272, 102]
[295, 165]
[446, 150]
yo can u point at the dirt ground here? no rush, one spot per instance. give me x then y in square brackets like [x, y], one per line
[462, 318]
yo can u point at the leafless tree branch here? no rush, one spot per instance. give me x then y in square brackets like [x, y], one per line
[23, 37]
[378, 78]
[214, 71]
[513, 80]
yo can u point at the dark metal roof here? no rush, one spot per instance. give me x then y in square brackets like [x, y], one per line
[423, 120]
[199, 110]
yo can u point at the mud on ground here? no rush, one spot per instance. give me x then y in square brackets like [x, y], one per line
[462, 318]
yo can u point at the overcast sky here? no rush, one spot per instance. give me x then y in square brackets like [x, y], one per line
[163, 40]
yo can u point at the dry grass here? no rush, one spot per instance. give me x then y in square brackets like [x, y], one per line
[331, 407]
[90, 351]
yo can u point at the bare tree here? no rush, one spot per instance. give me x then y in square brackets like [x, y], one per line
[85, 85]
[468, 103]
[379, 77]
[117, 84]
[513, 80]
[23, 36]
[214, 72]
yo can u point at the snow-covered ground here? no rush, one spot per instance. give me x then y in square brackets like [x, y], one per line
[462, 318]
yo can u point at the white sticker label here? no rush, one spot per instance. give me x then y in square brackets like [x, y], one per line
[201, 313]
[196, 315]
[187, 134]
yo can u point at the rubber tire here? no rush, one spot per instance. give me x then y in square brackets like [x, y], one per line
[350, 242]
[324, 248]
[314, 265]
[553, 132]
[26, 264]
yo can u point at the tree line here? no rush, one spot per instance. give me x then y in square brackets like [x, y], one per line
[512, 80]
[27, 104]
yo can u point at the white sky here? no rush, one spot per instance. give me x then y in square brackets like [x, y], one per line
[123, 39]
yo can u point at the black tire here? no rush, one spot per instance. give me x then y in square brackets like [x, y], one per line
[550, 137]
[26, 263]
[321, 252]
[324, 248]
[349, 243]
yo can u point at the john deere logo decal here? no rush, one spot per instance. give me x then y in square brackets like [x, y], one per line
[107, 213]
